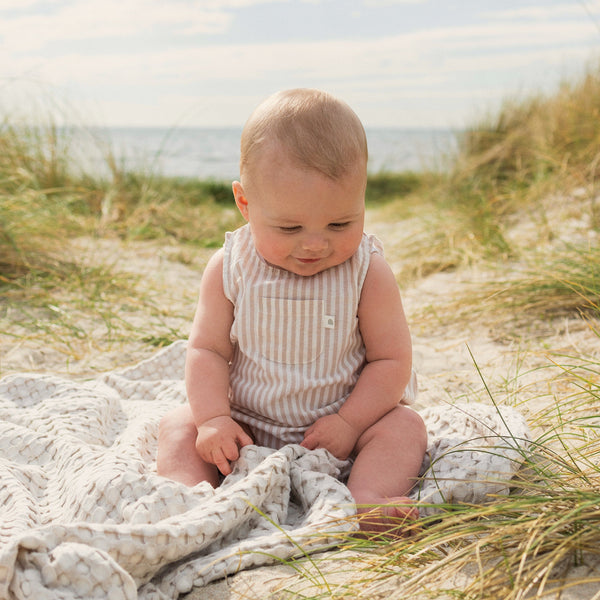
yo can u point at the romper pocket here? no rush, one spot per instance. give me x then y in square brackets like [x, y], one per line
[290, 331]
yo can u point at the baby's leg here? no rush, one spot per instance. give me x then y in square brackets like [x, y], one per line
[177, 457]
[388, 459]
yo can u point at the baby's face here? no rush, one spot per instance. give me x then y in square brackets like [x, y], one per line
[301, 220]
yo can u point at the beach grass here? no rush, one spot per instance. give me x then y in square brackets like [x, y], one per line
[523, 545]
[507, 167]
[48, 204]
[520, 202]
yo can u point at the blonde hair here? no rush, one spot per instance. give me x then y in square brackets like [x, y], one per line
[315, 129]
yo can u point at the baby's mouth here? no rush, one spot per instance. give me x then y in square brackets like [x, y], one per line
[308, 260]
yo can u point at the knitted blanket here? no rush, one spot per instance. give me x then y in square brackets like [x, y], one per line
[84, 514]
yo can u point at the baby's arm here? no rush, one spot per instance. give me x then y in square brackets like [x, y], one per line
[207, 372]
[387, 371]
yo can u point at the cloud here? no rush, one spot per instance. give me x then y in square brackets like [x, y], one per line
[19, 5]
[414, 55]
[162, 76]
[61, 21]
[374, 3]
[577, 9]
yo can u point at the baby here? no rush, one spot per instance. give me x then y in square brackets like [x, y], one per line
[299, 335]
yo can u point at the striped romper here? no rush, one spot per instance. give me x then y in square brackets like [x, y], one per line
[298, 351]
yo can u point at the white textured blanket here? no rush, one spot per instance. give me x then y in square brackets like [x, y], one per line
[84, 515]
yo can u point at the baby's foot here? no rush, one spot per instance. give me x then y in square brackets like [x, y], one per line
[390, 516]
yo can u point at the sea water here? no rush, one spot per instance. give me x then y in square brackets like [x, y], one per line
[213, 153]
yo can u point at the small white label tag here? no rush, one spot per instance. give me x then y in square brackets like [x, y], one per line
[329, 321]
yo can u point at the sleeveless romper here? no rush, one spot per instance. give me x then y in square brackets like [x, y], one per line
[298, 351]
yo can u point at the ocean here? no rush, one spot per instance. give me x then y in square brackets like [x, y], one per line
[213, 153]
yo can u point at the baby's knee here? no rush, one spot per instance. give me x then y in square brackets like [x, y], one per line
[407, 425]
[402, 426]
[415, 424]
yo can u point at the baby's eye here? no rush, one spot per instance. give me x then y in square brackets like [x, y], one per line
[293, 229]
[338, 226]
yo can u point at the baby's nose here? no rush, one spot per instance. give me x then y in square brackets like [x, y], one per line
[314, 243]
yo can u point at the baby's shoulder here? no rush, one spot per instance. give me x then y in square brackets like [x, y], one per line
[379, 272]
[214, 266]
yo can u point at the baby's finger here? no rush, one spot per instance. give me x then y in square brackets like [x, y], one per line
[244, 439]
[309, 442]
[219, 460]
[230, 450]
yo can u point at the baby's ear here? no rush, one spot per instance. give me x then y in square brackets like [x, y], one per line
[240, 198]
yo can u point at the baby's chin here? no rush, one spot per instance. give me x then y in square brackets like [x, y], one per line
[306, 268]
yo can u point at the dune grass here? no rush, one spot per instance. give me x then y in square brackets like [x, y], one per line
[522, 545]
[505, 167]
[48, 287]
[37, 200]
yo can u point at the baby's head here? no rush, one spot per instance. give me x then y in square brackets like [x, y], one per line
[303, 177]
[314, 129]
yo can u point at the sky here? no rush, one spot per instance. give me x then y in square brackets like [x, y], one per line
[404, 63]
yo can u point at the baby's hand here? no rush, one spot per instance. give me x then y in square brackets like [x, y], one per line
[332, 433]
[219, 441]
